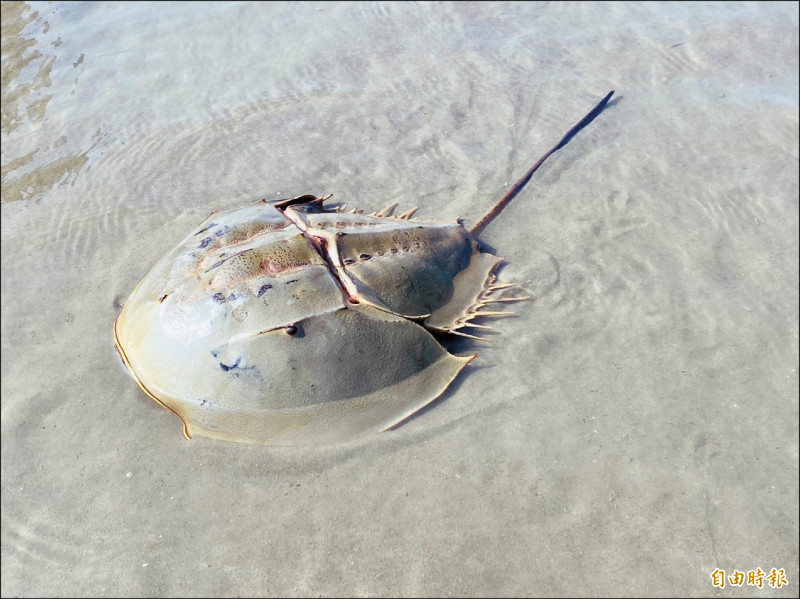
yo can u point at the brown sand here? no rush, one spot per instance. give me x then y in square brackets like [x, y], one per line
[633, 429]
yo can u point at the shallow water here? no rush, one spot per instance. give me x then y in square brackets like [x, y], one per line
[630, 431]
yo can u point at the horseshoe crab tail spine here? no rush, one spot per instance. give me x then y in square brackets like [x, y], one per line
[517, 187]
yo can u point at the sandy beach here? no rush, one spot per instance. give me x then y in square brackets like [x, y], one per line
[630, 432]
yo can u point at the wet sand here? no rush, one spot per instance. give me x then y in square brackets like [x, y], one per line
[630, 431]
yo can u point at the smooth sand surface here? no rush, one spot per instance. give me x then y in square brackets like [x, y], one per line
[631, 430]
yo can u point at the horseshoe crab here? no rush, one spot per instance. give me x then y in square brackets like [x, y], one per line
[294, 322]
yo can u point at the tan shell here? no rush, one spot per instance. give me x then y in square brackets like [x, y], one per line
[248, 334]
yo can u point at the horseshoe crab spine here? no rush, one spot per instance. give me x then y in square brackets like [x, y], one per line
[517, 187]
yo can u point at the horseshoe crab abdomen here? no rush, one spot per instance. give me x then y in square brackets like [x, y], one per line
[402, 266]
